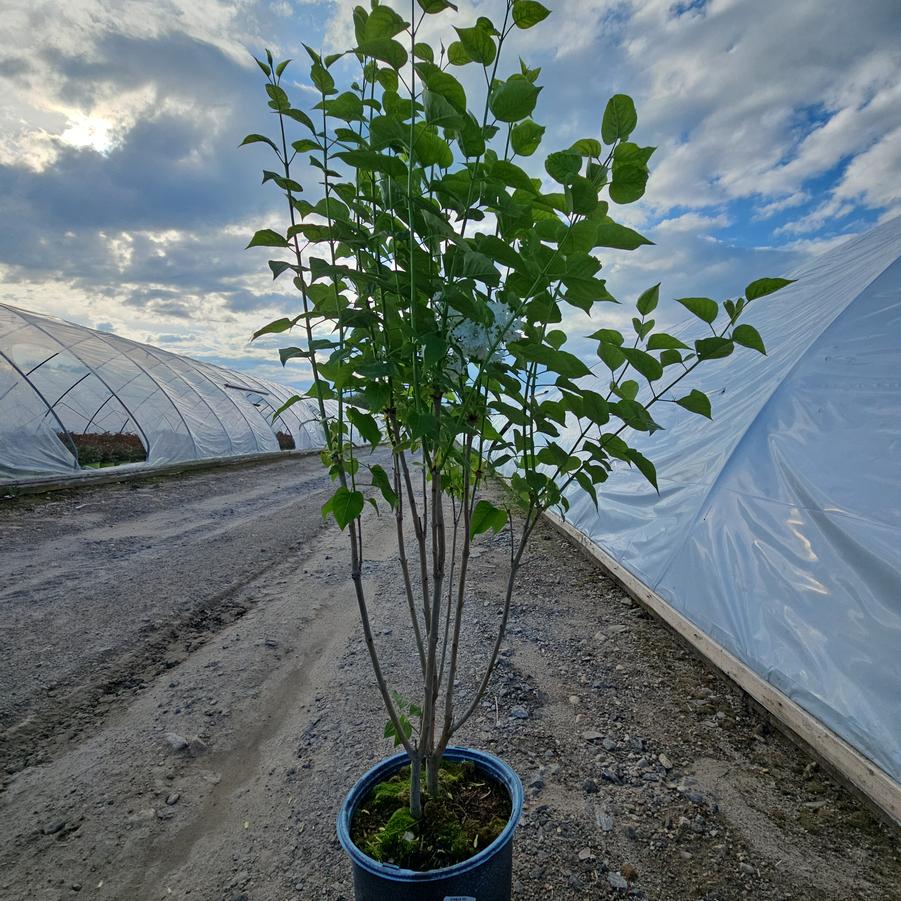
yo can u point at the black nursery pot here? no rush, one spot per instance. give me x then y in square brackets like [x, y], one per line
[487, 876]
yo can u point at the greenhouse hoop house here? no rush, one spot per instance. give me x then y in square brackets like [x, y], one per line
[776, 535]
[73, 399]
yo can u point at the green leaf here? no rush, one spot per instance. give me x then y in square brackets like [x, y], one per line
[763, 286]
[300, 116]
[278, 267]
[525, 137]
[634, 415]
[381, 481]
[644, 466]
[274, 328]
[696, 402]
[259, 139]
[365, 424]
[619, 119]
[288, 403]
[422, 423]
[594, 407]
[559, 361]
[266, 237]
[702, 307]
[322, 79]
[590, 147]
[514, 99]
[429, 148]
[457, 55]
[643, 362]
[748, 336]
[628, 183]
[486, 516]
[387, 50]
[480, 267]
[500, 251]
[305, 144]
[435, 6]
[713, 348]
[662, 341]
[563, 165]
[647, 303]
[346, 106]
[400, 821]
[374, 162]
[510, 174]
[608, 335]
[527, 13]
[478, 44]
[279, 101]
[344, 505]
[620, 237]
[443, 83]
[382, 22]
[289, 353]
[583, 195]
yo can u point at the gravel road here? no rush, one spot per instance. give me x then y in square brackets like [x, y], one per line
[185, 697]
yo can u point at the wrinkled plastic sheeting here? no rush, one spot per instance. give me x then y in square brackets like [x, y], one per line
[57, 379]
[777, 530]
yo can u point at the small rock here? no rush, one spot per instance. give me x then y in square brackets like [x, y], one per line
[746, 868]
[173, 798]
[519, 713]
[575, 700]
[591, 735]
[590, 787]
[603, 820]
[75, 886]
[54, 827]
[196, 746]
[175, 741]
[585, 854]
[617, 881]
[665, 762]
[270, 643]
[610, 776]
[608, 744]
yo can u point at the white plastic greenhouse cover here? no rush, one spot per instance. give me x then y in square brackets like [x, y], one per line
[777, 530]
[59, 381]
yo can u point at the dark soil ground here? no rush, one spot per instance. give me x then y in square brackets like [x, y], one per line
[185, 698]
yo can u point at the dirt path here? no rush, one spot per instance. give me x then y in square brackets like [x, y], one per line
[213, 611]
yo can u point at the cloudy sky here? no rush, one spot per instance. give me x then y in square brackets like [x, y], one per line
[125, 203]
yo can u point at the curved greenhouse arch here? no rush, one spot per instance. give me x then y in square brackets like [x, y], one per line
[70, 394]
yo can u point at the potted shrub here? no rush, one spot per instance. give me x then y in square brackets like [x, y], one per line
[434, 275]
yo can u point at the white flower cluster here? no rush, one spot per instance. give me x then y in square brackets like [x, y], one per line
[475, 341]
